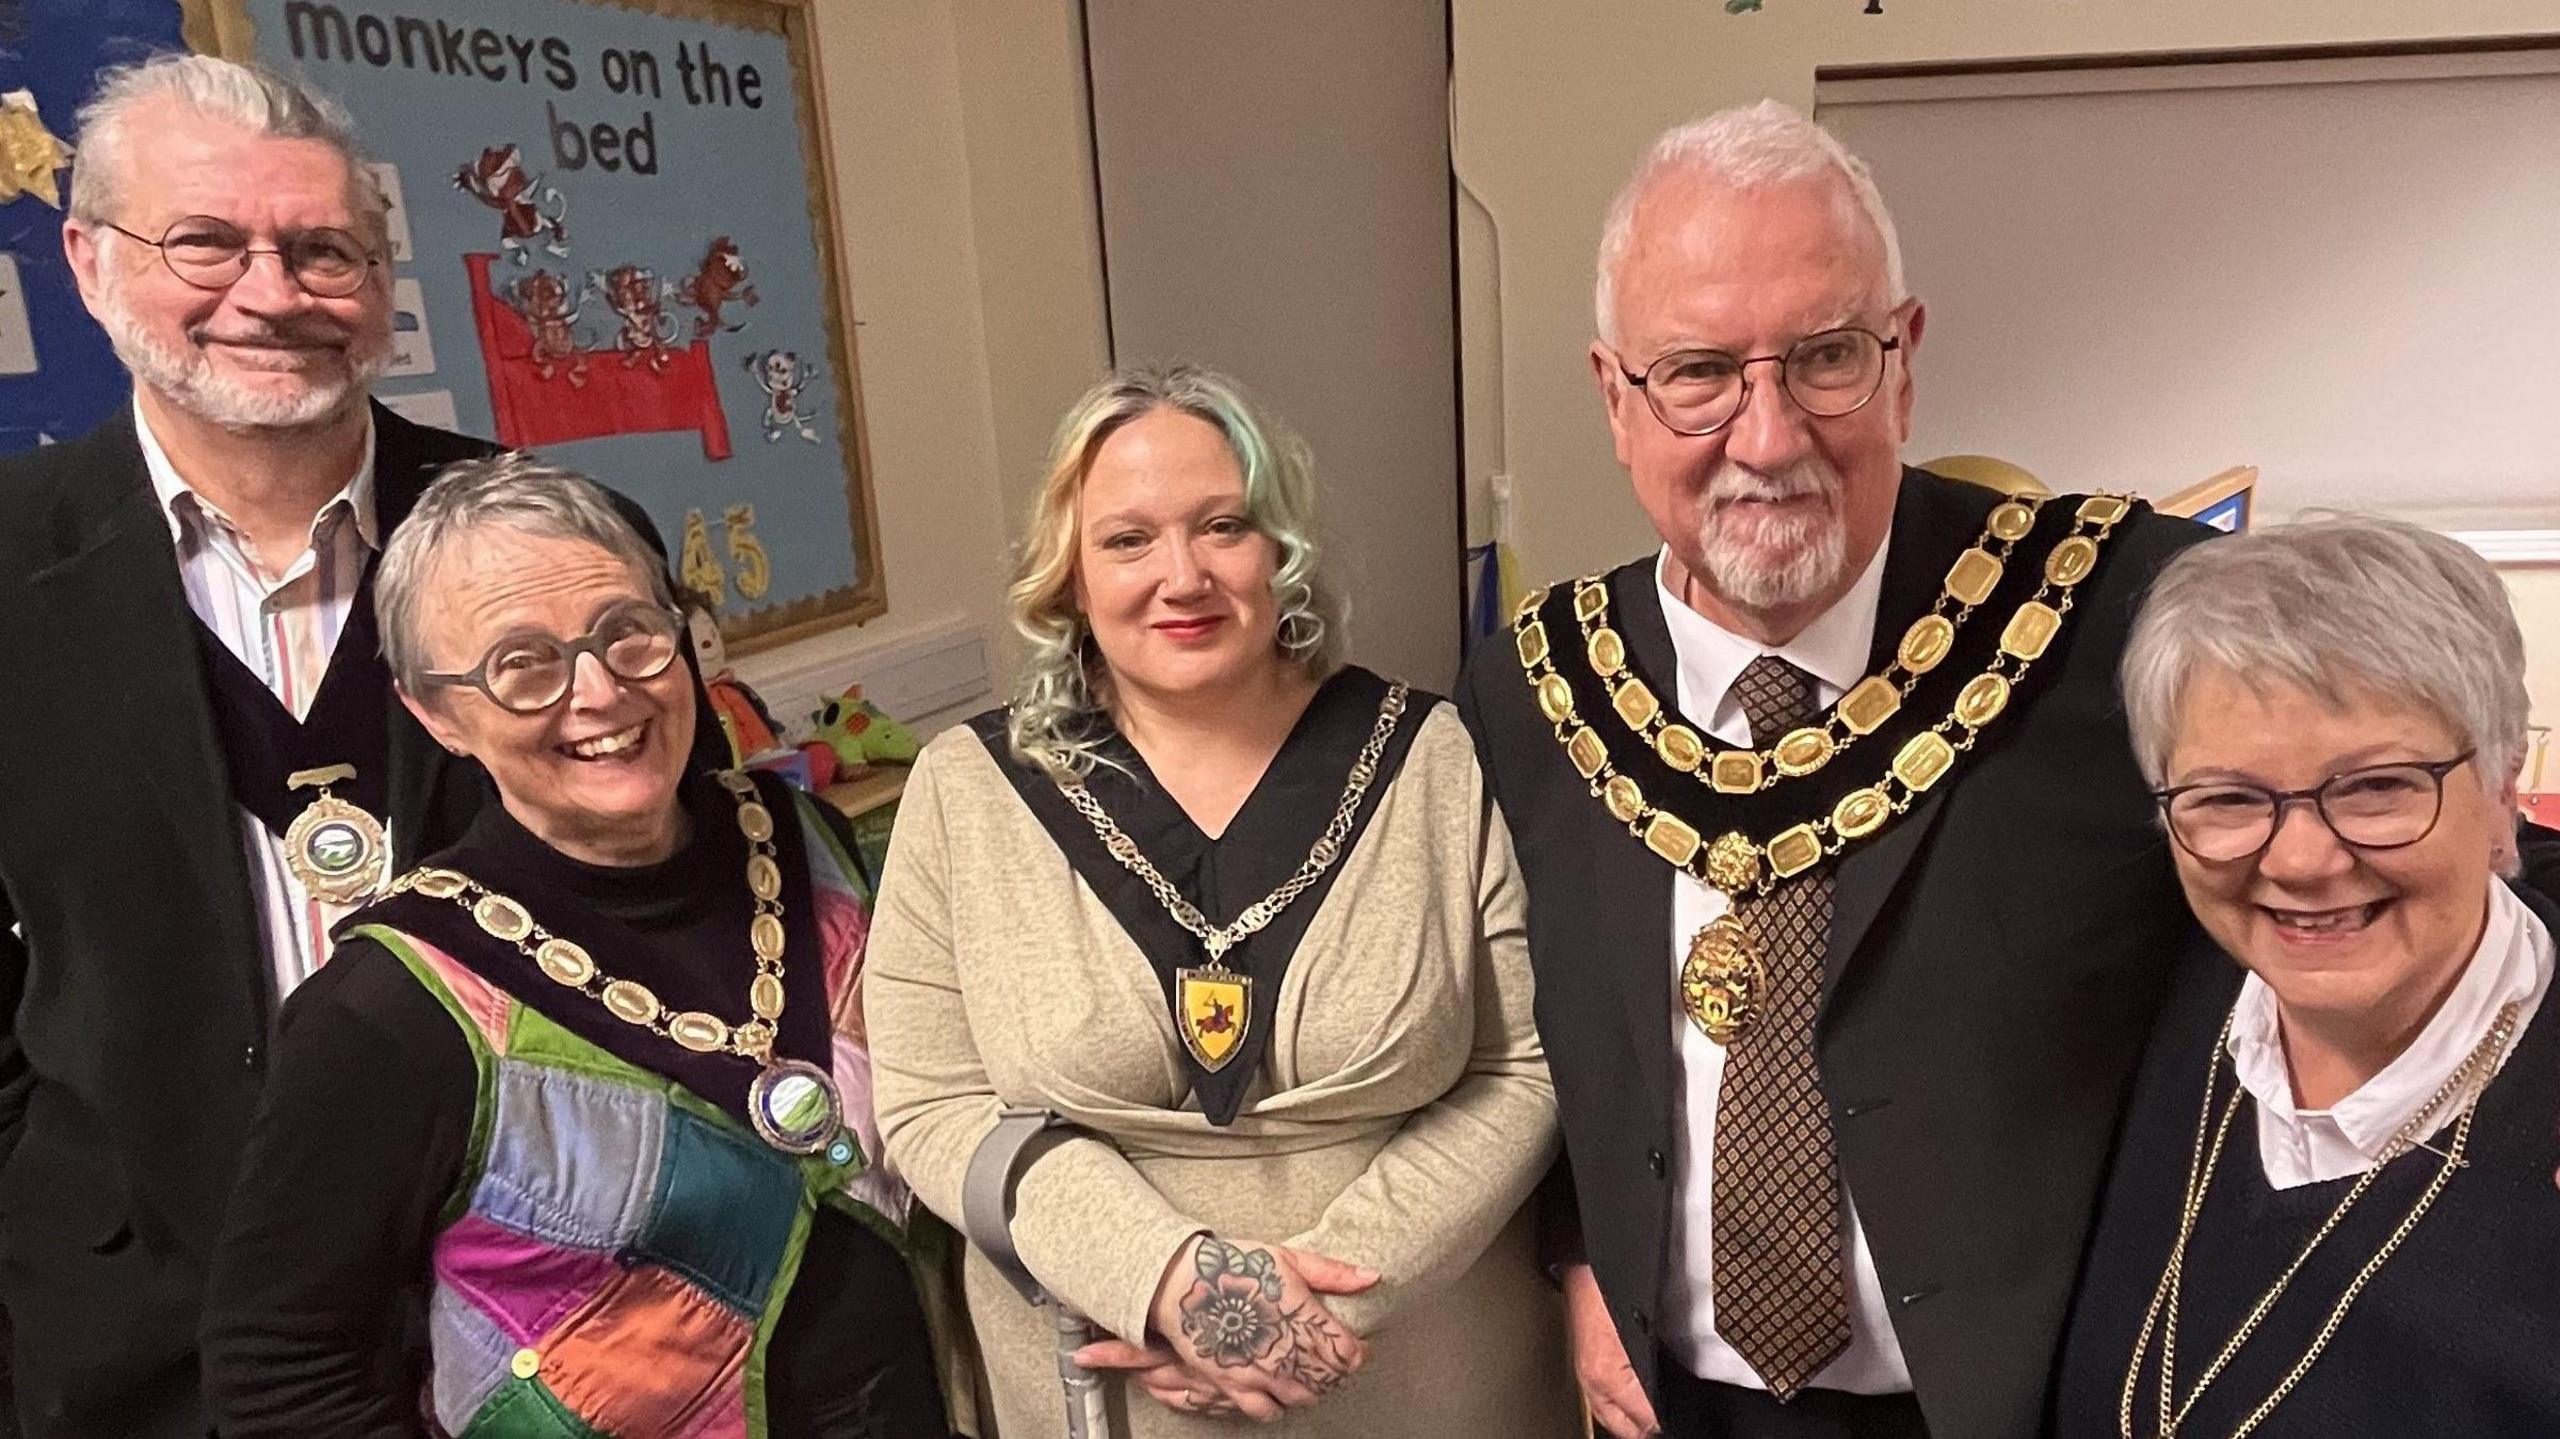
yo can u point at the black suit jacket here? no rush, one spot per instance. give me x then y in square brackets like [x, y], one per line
[137, 990]
[1996, 957]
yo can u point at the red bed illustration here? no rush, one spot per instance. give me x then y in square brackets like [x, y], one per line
[553, 397]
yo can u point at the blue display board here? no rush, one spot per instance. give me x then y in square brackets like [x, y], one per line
[610, 227]
[58, 376]
[610, 222]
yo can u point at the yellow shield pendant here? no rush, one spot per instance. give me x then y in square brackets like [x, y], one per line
[1212, 1006]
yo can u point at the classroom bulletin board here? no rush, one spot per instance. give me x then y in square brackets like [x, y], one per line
[612, 226]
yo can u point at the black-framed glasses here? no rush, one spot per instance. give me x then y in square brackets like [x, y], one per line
[1698, 392]
[2380, 806]
[529, 672]
[211, 253]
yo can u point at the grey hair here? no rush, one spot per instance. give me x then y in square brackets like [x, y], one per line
[1748, 147]
[1063, 687]
[251, 97]
[2334, 605]
[514, 491]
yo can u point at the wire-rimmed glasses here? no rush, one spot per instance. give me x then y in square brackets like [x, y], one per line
[211, 253]
[1698, 392]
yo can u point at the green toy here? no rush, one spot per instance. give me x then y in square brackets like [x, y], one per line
[860, 733]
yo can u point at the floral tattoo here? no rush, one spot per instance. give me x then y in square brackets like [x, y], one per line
[1233, 1317]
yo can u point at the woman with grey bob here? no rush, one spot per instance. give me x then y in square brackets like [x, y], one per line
[591, 1081]
[2332, 1210]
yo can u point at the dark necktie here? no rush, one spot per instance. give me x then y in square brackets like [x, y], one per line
[1781, 1271]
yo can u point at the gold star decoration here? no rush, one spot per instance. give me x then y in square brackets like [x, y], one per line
[30, 155]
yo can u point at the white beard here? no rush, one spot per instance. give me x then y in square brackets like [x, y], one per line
[188, 379]
[1766, 562]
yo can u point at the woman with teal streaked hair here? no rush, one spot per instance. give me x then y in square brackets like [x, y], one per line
[1238, 924]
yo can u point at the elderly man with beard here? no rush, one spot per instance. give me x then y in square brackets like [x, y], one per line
[208, 764]
[1847, 907]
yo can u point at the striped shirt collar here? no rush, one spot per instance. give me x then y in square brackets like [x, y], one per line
[178, 499]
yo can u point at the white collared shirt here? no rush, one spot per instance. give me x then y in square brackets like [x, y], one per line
[284, 627]
[2298, 1146]
[1833, 649]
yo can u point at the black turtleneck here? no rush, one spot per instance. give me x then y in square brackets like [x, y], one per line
[314, 1314]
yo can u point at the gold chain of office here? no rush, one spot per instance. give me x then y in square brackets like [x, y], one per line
[1724, 983]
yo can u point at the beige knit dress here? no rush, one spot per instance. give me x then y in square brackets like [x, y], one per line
[1401, 1116]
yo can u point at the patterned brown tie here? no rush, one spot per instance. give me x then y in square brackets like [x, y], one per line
[1781, 1272]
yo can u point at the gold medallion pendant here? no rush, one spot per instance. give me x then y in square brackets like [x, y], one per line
[1215, 1005]
[1724, 981]
[338, 852]
[795, 1108]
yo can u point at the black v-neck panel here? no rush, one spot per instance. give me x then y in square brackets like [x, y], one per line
[349, 721]
[1268, 838]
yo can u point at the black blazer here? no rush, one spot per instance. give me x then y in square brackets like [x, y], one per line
[137, 990]
[1996, 957]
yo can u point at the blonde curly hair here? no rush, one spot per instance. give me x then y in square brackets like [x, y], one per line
[1056, 717]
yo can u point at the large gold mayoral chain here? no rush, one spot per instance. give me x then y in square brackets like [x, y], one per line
[1724, 980]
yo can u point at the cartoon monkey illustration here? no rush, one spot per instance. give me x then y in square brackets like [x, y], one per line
[527, 208]
[785, 381]
[721, 278]
[636, 295]
[543, 299]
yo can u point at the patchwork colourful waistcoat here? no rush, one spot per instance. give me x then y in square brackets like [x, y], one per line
[618, 1250]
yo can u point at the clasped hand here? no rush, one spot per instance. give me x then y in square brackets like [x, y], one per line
[1237, 1329]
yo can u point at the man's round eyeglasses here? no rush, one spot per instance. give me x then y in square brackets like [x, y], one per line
[530, 672]
[2382, 806]
[1698, 392]
[212, 254]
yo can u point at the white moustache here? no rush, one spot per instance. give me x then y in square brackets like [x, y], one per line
[1732, 484]
[274, 339]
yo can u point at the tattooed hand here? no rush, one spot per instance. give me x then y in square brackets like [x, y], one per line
[1243, 1332]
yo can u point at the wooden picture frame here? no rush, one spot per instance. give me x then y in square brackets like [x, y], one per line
[2224, 501]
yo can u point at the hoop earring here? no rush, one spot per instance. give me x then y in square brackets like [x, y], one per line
[1299, 611]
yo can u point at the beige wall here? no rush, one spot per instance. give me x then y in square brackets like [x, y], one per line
[1554, 101]
[1297, 236]
[967, 248]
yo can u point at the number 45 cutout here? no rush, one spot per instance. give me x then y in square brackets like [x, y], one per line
[701, 570]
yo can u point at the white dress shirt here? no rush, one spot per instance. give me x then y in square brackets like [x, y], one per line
[1833, 649]
[2307, 1146]
[284, 627]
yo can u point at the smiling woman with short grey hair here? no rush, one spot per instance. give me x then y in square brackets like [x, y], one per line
[515, 491]
[2332, 1209]
[594, 1078]
[2332, 604]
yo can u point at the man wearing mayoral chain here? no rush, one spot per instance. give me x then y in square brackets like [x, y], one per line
[1847, 907]
[190, 583]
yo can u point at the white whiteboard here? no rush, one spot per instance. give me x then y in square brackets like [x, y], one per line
[2344, 272]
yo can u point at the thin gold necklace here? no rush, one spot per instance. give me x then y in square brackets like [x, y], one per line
[2467, 1083]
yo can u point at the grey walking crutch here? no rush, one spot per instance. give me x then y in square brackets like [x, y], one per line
[986, 1220]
